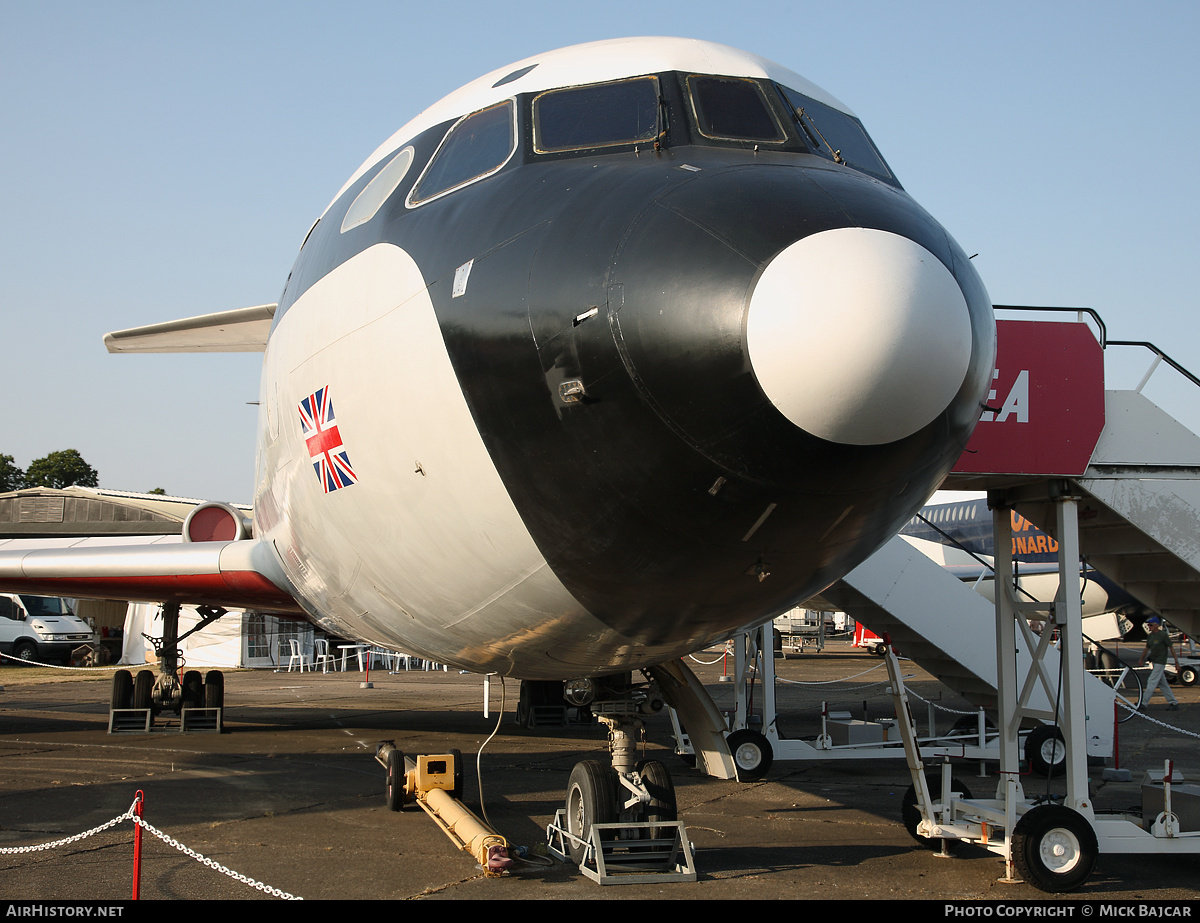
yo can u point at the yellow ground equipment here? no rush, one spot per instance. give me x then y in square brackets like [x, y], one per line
[434, 782]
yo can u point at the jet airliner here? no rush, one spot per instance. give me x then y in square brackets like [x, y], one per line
[959, 536]
[605, 356]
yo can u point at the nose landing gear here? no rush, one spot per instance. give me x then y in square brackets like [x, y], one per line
[620, 822]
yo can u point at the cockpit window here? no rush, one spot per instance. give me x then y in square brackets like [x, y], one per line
[477, 146]
[732, 109]
[377, 191]
[597, 115]
[835, 135]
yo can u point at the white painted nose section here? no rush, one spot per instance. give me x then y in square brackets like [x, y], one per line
[858, 336]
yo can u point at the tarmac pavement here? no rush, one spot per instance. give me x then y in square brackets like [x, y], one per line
[292, 797]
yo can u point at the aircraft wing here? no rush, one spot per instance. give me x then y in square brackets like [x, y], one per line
[243, 330]
[232, 575]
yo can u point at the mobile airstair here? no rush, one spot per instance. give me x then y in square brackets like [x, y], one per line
[1116, 480]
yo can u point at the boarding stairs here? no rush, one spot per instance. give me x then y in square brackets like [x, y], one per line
[1115, 478]
[1139, 523]
[930, 616]
[1134, 466]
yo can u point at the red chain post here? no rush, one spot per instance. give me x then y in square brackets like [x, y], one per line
[138, 802]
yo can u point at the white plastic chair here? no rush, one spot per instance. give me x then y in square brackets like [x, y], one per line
[380, 655]
[298, 656]
[323, 658]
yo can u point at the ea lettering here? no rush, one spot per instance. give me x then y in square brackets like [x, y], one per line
[1016, 402]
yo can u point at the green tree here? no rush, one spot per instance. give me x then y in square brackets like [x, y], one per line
[61, 469]
[158, 492]
[11, 477]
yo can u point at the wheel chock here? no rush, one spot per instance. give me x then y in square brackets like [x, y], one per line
[641, 852]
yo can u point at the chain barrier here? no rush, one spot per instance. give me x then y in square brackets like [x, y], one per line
[170, 841]
[1138, 713]
[834, 682]
[13, 850]
[58, 666]
[949, 711]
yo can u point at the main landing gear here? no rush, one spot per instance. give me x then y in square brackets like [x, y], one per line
[620, 818]
[198, 699]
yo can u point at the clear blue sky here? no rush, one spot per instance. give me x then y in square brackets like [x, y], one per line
[161, 160]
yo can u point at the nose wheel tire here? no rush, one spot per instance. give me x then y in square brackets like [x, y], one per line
[591, 799]
[751, 754]
[1054, 848]
[662, 806]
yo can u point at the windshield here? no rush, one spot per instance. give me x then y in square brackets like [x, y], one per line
[44, 605]
[598, 115]
[835, 135]
[732, 109]
[477, 146]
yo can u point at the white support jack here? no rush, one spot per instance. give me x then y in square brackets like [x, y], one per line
[1053, 844]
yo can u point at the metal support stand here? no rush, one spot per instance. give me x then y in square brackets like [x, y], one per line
[1051, 844]
[617, 854]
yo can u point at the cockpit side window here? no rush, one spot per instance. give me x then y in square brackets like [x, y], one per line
[477, 146]
[597, 115]
[835, 135]
[733, 109]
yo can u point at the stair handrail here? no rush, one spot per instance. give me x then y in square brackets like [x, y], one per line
[1160, 357]
[1091, 312]
[1105, 342]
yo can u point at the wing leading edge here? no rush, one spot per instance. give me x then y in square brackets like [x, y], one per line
[243, 330]
[232, 575]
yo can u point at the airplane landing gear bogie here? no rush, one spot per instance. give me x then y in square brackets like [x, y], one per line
[163, 691]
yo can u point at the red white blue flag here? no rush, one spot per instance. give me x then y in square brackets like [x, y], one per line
[329, 457]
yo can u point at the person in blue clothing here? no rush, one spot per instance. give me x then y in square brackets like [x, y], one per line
[1158, 648]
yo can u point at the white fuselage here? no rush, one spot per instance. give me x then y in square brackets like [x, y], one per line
[427, 550]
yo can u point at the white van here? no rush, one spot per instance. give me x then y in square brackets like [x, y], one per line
[40, 628]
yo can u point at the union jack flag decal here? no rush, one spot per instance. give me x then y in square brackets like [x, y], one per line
[329, 457]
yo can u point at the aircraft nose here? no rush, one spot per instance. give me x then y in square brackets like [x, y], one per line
[858, 336]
